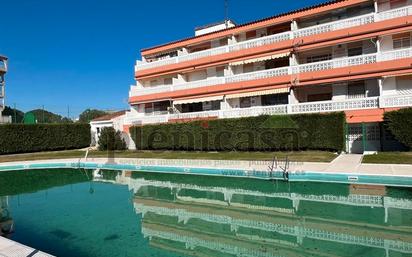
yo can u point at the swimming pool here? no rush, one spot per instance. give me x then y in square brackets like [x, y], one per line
[78, 212]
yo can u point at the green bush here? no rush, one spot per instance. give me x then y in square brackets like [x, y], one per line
[110, 139]
[399, 123]
[262, 133]
[24, 138]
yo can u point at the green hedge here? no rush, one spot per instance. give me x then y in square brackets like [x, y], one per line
[262, 133]
[22, 138]
[399, 123]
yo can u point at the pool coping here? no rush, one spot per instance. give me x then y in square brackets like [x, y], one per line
[12, 248]
[382, 174]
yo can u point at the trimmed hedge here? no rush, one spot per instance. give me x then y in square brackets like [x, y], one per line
[262, 133]
[22, 138]
[399, 123]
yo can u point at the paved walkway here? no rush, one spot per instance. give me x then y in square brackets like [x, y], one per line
[345, 162]
[9, 248]
[348, 164]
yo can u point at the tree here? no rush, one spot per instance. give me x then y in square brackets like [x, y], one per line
[89, 114]
[44, 116]
[110, 139]
[17, 115]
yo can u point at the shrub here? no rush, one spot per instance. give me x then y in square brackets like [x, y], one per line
[399, 123]
[24, 138]
[262, 133]
[110, 139]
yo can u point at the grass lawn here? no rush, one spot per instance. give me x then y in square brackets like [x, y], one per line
[312, 156]
[389, 158]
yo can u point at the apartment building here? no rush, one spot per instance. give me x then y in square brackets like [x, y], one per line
[3, 70]
[345, 55]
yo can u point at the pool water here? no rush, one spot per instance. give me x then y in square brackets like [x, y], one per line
[74, 212]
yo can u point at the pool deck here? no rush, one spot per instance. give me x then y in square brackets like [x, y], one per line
[343, 164]
[10, 248]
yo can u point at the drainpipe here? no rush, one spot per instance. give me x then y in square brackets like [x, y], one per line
[363, 137]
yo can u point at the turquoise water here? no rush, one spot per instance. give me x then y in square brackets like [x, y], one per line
[71, 212]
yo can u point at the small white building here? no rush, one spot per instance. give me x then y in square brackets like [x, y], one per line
[114, 120]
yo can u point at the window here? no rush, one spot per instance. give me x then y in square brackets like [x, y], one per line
[397, 3]
[220, 71]
[249, 67]
[168, 81]
[320, 97]
[356, 90]
[250, 34]
[154, 83]
[274, 99]
[318, 58]
[245, 102]
[223, 42]
[355, 51]
[403, 42]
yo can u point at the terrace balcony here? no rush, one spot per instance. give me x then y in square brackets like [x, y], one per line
[277, 72]
[393, 101]
[3, 66]
[266, 40]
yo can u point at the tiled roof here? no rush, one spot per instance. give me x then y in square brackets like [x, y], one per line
[252, 22]
[109, 116]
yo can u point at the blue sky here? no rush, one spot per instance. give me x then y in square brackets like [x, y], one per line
[81, 53]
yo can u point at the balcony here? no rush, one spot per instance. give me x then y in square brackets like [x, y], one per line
[309, 107]
[270, 73]
[3, 66]
[313, 30]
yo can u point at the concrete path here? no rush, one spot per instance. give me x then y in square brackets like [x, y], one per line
[10, 248]
[345, 162]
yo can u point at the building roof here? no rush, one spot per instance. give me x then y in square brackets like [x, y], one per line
[249, 23]
[214, 24]
[109, 116]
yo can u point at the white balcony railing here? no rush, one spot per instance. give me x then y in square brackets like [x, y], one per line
[257, 75]
[302, 68]
[335, 25]
[200, 83]
[267, 40]
[194, 115]
[313, 30]
[335, 63]
[396, 101]
[394, 13]
[330, 106]
[254, 111]
[310, 107]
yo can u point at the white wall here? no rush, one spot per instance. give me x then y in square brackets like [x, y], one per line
[389, 86]
[386, 43]
[339, 91]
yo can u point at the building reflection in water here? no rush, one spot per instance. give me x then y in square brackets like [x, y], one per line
[6, 220]
[211, 216]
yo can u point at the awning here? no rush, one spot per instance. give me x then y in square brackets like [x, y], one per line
[199, 100]
[260, 59]
[257, 93]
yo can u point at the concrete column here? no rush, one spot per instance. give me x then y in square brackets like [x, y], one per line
[232, 40]
[228, 71]
[179, 80]
[182, 51]
[378, 45]
[294, 25]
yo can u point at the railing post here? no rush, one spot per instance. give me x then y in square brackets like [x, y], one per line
[289, 108]
[381, 102]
